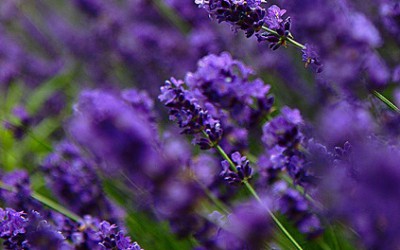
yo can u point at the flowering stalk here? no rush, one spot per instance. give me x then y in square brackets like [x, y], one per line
[254, 193]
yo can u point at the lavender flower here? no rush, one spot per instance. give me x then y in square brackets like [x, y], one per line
[22, 123]
[240, 14]
[297, 209]
[96, 234]
[28, 231]
[243, 170]
[12, 227]
[283, 130]
[396, 74]
[20, 198]
[286, 150]
[345, 38]
[189, 115]
[73, 179]
[345, 122]
[225, 83]
[103, 119]
[390, 12]
[281, 36]
[273, 19]
[247, 227]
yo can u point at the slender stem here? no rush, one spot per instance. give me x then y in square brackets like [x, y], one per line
[274, 218]
[56, 207]
[226, 157]
[254, 193]
[213, 198]
[291, 40]
[47, 202]
[385, 101]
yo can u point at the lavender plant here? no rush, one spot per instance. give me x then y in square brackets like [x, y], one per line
[286, 136]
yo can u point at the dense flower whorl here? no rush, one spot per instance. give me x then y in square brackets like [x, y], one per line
[297, 208]
[283, 130]
[275, 23]
[30, 230]
[95, 234]
[190, 116]
[225, 83]
[287, 150]
[243, 169]
[73, 179]
[247, 227]
[245, 15]
[21, 230]
[124, 140]
[251, 17]
[20, 198]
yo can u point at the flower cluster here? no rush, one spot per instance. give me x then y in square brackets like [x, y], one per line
[245, 15]
[74, 180]
[21, 230]
[251, 17]
[189, 114]
[88, 159]
[242, 172]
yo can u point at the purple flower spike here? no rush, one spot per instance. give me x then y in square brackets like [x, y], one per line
[74, 181]
[191, 117]
[244, 15]
[283, 129]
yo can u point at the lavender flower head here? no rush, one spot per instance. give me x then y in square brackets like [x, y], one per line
[345, 121]
[242, 172]
[74, 181]
[20, 198]
[297, 208]
[244, 15]
[247, 227]
[225, 83]
[190, 116]
[274, 22]
[108, 126]
[98, 235]
[283, 130]
[21, 230]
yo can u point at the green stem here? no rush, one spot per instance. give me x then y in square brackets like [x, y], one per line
[47, 202]
[385, 101]
[274, 218]
[214, 199]
[56, 207]
[254, 193]
[291, 40]
[226, 157]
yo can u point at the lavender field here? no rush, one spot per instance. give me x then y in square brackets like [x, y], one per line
[200, 124]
